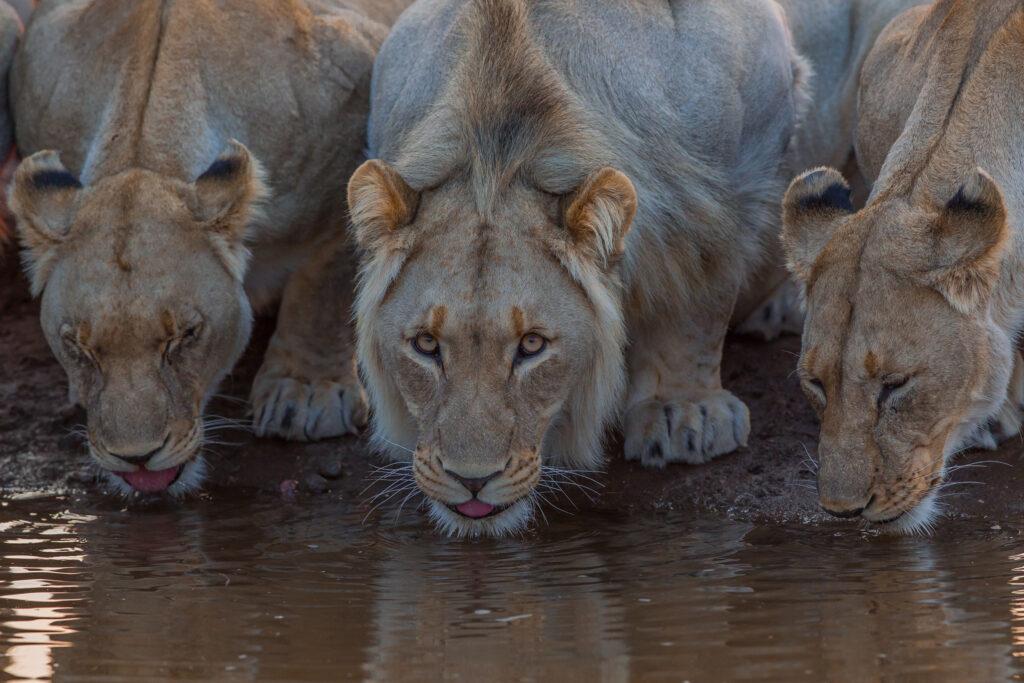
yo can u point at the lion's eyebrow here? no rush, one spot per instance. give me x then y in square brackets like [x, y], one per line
[438, 314]
[168, 321]
[871, 364]
[518, 321]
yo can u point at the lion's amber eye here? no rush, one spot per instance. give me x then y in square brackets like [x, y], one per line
[531, 345]
[426, 344]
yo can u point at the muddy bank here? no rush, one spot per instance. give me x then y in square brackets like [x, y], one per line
[770, 481]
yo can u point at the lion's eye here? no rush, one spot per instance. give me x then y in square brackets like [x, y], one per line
[817, 387]
[188, 337]
[426, 344]
[75, 350]
[531, 345]
[888, 386]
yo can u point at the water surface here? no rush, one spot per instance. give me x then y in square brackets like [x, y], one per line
[247, 589]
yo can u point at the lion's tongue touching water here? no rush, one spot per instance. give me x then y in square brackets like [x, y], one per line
[148, 481]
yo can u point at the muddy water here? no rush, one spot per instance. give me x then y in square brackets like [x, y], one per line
[263, 589]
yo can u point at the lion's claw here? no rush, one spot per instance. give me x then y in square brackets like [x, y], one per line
[694, 431]
[302, 411]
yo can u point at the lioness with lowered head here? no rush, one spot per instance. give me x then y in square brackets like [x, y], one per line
[518, 143]
[914, 304]
[184, 160]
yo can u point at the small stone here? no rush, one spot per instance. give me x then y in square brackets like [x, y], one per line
[315, 483]
[330, 467]
[289, 489]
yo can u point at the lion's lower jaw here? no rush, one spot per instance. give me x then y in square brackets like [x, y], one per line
[513, 519]
[918, 521]
[191, 479]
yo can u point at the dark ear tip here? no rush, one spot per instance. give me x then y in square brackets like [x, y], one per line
[835, 196]
[54, 179]
[960, 202]
[223, 167]
[822, 188]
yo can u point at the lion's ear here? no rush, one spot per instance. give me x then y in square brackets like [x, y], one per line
[811, 210]
[44, 198]
[226, 196]
[967, 242]
[599, 215]
[379, 202]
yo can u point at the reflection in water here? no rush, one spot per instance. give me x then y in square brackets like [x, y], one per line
[1017, 605]
[256, 589]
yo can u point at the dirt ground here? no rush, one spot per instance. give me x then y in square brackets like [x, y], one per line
[770, 481]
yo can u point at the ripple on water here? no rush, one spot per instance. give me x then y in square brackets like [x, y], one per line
[254, 588]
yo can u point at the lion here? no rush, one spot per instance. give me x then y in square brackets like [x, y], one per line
[549, 181]
[914, 303]
[183, 160]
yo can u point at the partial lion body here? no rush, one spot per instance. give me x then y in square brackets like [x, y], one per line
[915, 302]
[604, 176]
[164, 84]
[696, 114]
[834, 38]
[183, 164]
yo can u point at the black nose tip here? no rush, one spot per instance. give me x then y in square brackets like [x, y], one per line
[140, 459]
[474, 484]
[844, 514]
[838, 509]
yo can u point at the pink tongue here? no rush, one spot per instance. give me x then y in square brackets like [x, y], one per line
[151, 482]
[475, 508]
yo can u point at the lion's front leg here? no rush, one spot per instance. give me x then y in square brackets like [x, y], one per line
[677, 410]
[307, 388]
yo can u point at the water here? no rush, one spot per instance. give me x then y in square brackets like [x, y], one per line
[247, 589]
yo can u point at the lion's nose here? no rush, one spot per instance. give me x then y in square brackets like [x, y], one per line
[143, 458]
[474, 484]
[845, 509]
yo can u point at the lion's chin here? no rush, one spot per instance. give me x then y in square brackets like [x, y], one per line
[917, 521]
[508, 520]
[177, 481]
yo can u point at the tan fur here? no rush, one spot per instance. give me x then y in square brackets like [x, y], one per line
[922, 285]
[183, 164]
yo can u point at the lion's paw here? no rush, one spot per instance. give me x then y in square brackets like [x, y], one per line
[1003, 426]
[782, 313]
[306, 411]
[691, 430]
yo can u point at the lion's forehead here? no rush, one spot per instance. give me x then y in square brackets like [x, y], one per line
[496, 284]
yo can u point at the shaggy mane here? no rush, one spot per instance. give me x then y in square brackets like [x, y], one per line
[505, 116]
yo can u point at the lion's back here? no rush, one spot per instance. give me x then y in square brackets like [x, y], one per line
[941, 90]
[194, 73]
[682, 71]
